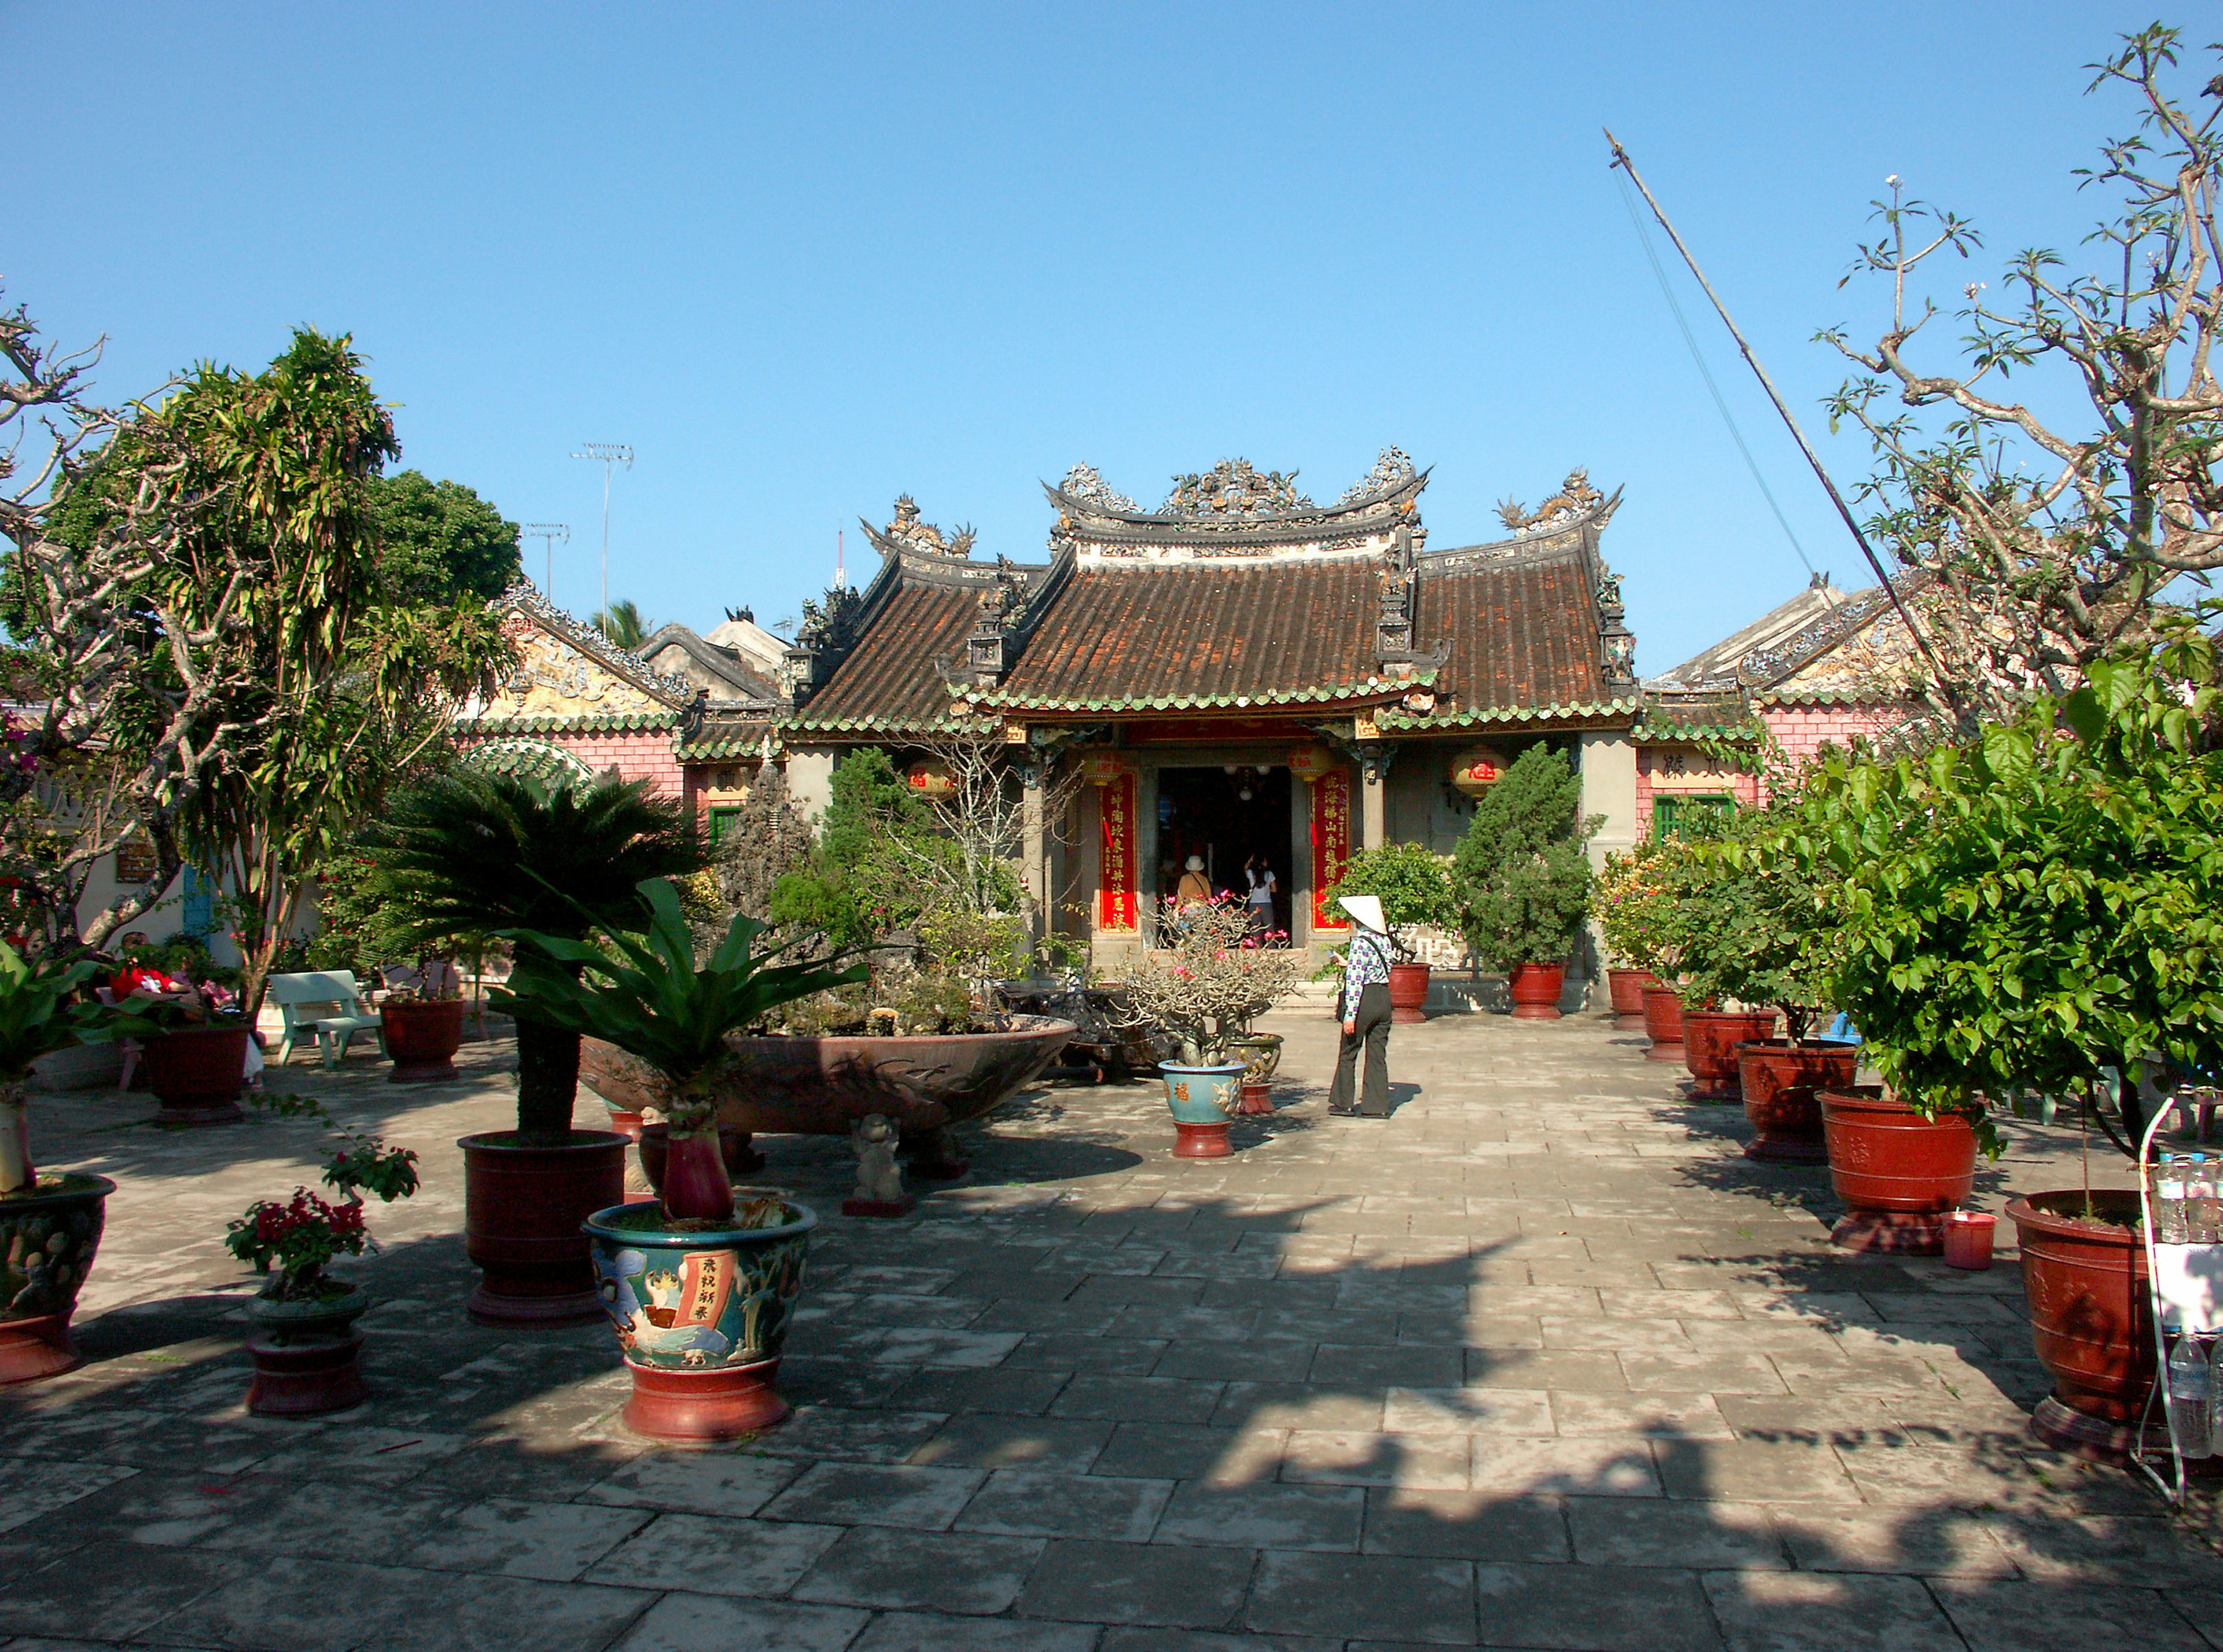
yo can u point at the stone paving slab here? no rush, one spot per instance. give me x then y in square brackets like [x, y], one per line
[1541, 1362]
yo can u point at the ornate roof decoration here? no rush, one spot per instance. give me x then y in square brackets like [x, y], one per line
[1392, 470]
[1082, 483]
[525, 598]
[907, 532]
[1232, 488]
[1575, 498]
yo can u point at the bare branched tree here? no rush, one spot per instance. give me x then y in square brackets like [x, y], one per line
[2038, 546]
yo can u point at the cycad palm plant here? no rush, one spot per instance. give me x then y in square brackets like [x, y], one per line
[475, 852]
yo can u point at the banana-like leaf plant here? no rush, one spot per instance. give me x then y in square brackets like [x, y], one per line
[42, 1010]
[644, 993]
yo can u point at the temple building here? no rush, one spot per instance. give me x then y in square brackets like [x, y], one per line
[1239, 672]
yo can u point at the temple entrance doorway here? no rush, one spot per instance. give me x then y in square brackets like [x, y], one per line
[1227, 813]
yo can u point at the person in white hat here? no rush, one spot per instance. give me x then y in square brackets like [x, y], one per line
[1365, 1011]
[1194, 886]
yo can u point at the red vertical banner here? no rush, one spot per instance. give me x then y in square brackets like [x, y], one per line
[1116, 905]
[1330, 844]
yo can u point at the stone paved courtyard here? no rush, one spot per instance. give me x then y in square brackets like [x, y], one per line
[1541, 1362]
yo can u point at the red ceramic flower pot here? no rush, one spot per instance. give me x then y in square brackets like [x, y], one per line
[1782, 1083]
[523, 1205]
[1898, 1172]
[195, 1072]
[1710, 1041]
[2089, 1318]
[1625, 988]
[1408, 994]
[48, 1239]
[1663, 1023]
[1534, 989]
[421, 1039]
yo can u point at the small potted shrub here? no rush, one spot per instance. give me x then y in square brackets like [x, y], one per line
[1749, 940]
[49, 1225]
[467, 854]
[195, 1054]
[1521, 880]
[422, 1021]
[2034, 911]
[700, 1288]
[305, 1345]
[1202, 997]
[1632, 914]
[1414, 893]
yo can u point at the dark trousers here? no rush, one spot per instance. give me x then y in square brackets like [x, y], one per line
[1372, 1023]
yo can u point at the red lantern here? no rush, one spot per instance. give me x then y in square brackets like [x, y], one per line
[1475, 772]
[1309, 763]
[929, 779]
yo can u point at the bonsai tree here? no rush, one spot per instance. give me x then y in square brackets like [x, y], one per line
[2026, 909]
[1211, 986]
[476, 853]
[301, 1235]
[1744, 919]
[43, 1007]
[1520, 879]
[1411, 885]
[643, 992]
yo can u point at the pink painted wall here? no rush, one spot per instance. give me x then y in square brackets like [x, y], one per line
[643, 755]
[1802, 730]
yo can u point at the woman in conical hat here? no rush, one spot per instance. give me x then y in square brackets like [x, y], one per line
[1364, 1011]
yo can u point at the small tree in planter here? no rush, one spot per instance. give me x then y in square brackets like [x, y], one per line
[2026, 911]
[1201, 996]
[305, 1345]
[1521, 880]
[49, 1225]
[473, 853]
[1414, 892]
[699, 1290]
[1631, 910]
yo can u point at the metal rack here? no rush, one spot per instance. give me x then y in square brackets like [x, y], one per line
[2190, 1285]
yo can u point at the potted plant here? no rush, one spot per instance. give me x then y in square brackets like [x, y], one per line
[49, 1225]
[1414, 892]
[1520, 879]
[699, 1289]
[194, 1052]
[422, 1021]
[476, 853]
[2033, 911]
[305, 1345]
[1631, 911]
[1202, 996]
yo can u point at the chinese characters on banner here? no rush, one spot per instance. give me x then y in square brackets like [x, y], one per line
[1116, 907]
[1330, 844]
[706, 1281]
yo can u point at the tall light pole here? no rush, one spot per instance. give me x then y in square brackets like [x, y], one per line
[552, 531]
[612, 455]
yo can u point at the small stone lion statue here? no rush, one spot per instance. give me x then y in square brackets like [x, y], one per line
[879, 1179]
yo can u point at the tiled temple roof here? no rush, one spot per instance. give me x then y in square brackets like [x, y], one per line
[888, 681]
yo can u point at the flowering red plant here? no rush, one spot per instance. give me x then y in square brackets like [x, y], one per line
[303, 1235]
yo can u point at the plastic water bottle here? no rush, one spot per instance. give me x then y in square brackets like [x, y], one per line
[2171, 1226]
[2200, 1205]
[2192, 1396]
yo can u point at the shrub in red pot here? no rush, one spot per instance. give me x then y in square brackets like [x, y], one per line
[1534, 989]
[422, 1036]
[1782, 1080]
[1898, 1172]
[644, 993]
[1414, 893]
[468, 854]
[1520, 879]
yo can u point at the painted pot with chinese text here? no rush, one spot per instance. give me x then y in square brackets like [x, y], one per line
[48, 1235]
[1202, 1099]
[702, 1317]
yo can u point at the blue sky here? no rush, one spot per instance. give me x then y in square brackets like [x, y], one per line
[804, 258]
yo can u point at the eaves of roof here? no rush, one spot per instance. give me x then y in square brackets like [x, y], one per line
[1485, 716]
[1367, 688]
[625, 723]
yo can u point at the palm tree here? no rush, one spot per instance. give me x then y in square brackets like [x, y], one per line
[622, 623]
[474, 853]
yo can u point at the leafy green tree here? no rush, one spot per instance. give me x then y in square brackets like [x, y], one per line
[1520, 879]
[1744, 919]
[1411, 883]
[470, 853]
[439, 542]
[855, 888]
[2022, 910]
[622, 623]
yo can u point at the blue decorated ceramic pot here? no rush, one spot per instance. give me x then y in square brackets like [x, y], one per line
[702, 1301]
[1202, 1094]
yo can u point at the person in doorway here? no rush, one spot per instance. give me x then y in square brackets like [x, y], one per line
[1258, 898]
[1194, 886]
[1365, 1011]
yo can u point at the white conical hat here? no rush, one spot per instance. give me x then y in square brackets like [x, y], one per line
[1366, 908]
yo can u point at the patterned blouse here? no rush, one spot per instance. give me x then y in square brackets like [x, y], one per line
[1366, 963]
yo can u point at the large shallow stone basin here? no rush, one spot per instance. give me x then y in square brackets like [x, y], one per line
[820, 1086]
